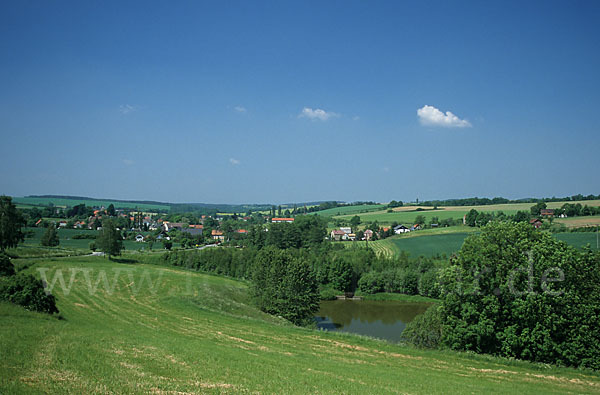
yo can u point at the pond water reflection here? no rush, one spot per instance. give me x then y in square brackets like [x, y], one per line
[381, 319]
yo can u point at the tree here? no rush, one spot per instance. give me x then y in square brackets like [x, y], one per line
[11, 222]
[285, 285]
[342, 276]
[537, 209]
[471, 218]
[50, 237]
[516, 292]
[355, 221]
[109, 239]
[420, 220]
[111, 210]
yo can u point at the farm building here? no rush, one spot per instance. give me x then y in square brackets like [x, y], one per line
[346, 230]
[547, 213]
[368, 234]
[401, 229]
[536, 223]
[217, 235]
[276, 220]
[338, 235]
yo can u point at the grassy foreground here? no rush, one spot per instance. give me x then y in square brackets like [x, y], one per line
[152, 329]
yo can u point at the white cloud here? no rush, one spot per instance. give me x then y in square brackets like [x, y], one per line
[317, 113]
[128, 162]
[431, 116]
[126, 108]
[355, 118]
[234, 161]
[240, 109]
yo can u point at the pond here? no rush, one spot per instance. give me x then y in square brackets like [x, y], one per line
[381, 319]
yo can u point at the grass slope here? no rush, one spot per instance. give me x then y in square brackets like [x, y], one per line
[195, 333]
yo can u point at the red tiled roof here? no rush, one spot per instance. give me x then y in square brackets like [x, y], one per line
[217, 233]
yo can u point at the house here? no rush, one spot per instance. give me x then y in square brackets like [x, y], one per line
[346, 230]
[139, 238]
[536, 223]
[401, 229]
[288, 220]
[217, 235]
[337, 234]
[242, 231]
[193, 230]
[547, 213]
[415, 227]
[368, 234]
[62, 224]
[352, 236]
[168, 226]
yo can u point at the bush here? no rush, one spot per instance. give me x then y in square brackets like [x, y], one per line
[27, 291]
[425, 330]
[6, 266]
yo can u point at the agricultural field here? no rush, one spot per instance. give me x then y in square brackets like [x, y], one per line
[350, 210]
[154, 329]
[407, 214]
[578, 222]
[431, 243]
[27, 202]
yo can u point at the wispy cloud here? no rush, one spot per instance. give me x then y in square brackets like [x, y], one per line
[431, 116]
[355, 118]
[240, 109]
[127, 108]
[128, 162]
[234, 161]
[317, 113]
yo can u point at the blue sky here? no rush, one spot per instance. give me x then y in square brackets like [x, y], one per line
[248, 102]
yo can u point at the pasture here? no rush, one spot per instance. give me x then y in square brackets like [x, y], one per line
[162, 330]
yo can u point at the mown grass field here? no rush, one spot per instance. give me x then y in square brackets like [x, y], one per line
[196, 333]
[578, 222]
[60, 202]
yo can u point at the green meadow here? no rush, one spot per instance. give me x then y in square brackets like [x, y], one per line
[350, 210]
[151, 329]
[62, 202]
[431, 243]
[68, 242]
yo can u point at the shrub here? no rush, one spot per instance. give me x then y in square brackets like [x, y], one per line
[425, 330]
[6, 266]
[27, 291]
